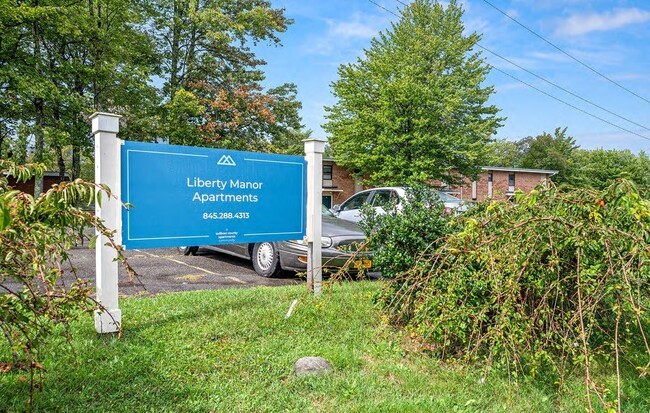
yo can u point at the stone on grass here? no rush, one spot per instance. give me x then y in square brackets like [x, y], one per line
[311, 366]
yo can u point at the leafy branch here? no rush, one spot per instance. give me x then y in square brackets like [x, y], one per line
[36, 235]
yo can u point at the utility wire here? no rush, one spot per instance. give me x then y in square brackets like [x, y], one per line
[540, 90]
[563, 89]
[569, 104]
[566, 53]
[385, 9]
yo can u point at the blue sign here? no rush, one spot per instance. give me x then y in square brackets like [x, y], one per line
[183, 196]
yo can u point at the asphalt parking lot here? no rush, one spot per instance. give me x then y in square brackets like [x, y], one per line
[165, 270]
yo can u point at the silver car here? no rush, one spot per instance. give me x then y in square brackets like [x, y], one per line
[340, 241]
[394, 196]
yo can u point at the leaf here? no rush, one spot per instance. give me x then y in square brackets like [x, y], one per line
[5, 217]
[93, 242]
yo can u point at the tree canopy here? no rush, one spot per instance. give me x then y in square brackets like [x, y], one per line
[212, 80]
[548, 151]
[178, 70]
[595, 169]
[414, 107]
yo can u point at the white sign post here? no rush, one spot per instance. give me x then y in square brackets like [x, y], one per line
[314, 155]
[107, 171]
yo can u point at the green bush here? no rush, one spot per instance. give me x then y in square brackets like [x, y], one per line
[399, 237]
[557, 281]
[35, 237]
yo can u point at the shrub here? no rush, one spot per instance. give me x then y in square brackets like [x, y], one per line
[556, 281]
[35, 237]
[399, 237]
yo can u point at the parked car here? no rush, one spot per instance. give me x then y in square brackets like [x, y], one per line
[381, 198]
[339, 242]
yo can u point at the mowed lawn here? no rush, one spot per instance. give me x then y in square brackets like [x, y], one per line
[233, 351]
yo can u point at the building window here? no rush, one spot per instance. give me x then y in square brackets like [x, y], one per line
[327, 201]
[489, 176]
[511, 179]
[327, 172]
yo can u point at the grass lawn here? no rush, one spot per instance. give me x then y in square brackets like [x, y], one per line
[233, 351]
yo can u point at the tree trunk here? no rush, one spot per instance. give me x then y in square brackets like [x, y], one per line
[76, 163]
[2, 140]
[60, 161]
[177, 23]
[39, 142]
[39, 121]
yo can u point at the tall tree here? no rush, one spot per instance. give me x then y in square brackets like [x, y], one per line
[503, 152]
[599, 168]
[414, 106]
[548, 151]
[59, 62]
[212, 80]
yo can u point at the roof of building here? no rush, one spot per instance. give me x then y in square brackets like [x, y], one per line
[506, 169]
[494, 168]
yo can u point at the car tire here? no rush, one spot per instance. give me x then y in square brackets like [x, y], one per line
[188, 250]
[266, 259]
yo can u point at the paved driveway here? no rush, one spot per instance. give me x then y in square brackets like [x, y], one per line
[165, 270]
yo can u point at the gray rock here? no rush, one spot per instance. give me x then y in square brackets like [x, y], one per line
[311, 366]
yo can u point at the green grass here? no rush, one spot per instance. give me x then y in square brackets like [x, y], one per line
[233, 351]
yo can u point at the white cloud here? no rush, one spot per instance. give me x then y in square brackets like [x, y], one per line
[618, 140]
[342, 36]
[630, 76]
[514, 13]
[585, 23]
[505, 87]
[550, 57]
[351, 29]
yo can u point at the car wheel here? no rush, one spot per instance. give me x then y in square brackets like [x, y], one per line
[266, 259]
[188, 250]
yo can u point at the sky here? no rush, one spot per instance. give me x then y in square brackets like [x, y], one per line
[579, 64]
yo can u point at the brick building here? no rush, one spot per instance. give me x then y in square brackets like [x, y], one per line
[494, 182]
[49, 180]
[338, 184]
[501, 183]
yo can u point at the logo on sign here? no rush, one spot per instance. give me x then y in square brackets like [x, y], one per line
[226, 160]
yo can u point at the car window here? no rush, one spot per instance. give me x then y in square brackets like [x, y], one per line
[326, 212]
[382, 198]
[394, 198]
[445, 197]
[355, 202]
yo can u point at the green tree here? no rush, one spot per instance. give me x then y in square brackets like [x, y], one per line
[553, 285]
[212, 80]
[599, 168]
[548, 151]
[503, 152]
[59, 62]
[414, 107]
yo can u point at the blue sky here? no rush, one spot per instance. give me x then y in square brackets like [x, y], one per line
[612, 37]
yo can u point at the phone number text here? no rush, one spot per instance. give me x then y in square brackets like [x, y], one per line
[226, 215]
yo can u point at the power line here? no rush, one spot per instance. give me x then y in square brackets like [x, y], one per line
[566, 53]
[543, 92]
[385, 9]
[563, 89]
[569, 104]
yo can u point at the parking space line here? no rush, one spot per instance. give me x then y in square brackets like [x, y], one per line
[235, 279]
[232, 278]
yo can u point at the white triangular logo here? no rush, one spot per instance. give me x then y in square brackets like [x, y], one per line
[226, 160]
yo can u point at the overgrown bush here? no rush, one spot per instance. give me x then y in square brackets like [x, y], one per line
[557, 282]
[408, 230]
[35, 237]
